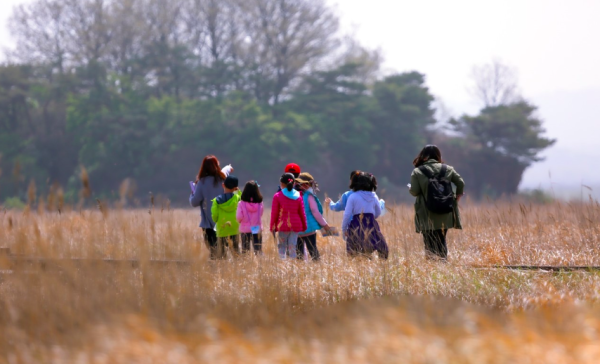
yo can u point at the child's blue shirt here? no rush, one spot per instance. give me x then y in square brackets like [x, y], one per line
[341, 204]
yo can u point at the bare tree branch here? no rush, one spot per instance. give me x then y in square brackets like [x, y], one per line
[495, 84]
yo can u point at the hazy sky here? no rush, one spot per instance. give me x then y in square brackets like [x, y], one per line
[552, 43]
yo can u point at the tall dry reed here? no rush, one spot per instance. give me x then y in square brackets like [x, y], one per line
[74, 306]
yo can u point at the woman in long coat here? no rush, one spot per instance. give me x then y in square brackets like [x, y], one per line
[208, 185]
[434, 226]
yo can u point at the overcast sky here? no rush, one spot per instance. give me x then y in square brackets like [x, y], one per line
[552, 43]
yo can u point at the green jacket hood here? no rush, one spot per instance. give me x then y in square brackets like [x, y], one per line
[228, 201]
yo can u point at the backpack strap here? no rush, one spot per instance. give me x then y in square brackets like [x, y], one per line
[443, 171]
[426, 172]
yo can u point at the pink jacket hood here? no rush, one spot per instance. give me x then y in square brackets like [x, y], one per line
[249, 214]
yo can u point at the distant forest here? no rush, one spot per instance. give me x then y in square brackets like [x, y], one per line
[128, 96]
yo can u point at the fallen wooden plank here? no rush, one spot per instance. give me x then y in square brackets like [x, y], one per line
[548, 268]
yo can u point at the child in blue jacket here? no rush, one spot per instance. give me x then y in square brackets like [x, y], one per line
[314, 217]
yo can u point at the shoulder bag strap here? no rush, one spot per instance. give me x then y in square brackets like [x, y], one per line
[443, 171]
[426, 171]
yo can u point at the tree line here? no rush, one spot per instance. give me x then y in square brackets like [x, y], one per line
[131, 94]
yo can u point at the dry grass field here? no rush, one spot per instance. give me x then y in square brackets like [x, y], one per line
[263, 310]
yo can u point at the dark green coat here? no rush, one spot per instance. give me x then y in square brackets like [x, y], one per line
[425, 219]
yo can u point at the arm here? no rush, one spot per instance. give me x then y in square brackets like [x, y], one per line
[348, 214]
[341, 204]
[274, 214]
[227, 170]
[302, 214]
[214, 211]
[459, 182]
[197, 198]
[415, 186]
[239, 213]
[261, 210]
[377, 207]
[312, 203]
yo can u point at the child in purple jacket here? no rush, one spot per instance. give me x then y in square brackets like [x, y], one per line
[360, 226]
[249, 215]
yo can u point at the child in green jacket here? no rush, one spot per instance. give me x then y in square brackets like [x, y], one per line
[223, 211]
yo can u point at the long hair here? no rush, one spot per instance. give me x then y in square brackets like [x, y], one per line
[210, 167]
[429, 152]
[251, 193]
[374, 182]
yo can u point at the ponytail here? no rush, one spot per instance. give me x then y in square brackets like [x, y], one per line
[373, 182]
[288, 179]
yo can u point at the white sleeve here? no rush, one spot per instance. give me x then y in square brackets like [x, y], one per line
[227, 170]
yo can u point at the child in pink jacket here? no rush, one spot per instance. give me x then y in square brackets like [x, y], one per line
[287, 217]
[249, 215]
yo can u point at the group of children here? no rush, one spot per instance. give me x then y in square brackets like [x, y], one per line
[296, 214]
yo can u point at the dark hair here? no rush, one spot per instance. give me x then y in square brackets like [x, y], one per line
[288, 179]
[352, 175]
[210, 167]
[251, 193]
[374, 182]
[429, 152]
[364, 181]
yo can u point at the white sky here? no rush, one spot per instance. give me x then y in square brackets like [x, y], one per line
[552, 43]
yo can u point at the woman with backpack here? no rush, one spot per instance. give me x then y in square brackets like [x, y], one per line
[436, 207]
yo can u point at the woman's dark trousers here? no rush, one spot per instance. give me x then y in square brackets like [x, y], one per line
[435, 244]
[251, 239]
[210, 240]
[311, 246]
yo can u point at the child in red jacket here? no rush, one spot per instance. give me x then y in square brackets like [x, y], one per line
[287, 217]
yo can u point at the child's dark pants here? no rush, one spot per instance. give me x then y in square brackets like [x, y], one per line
[254, 239]
[311, 246]
[224, 242]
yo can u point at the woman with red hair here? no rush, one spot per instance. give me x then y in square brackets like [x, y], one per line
[208, 185]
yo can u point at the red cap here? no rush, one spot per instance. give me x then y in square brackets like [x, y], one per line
[292, 168]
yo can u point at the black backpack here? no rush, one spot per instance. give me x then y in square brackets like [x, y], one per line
[440, 197]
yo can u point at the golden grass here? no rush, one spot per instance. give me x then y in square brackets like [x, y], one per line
[263, 309]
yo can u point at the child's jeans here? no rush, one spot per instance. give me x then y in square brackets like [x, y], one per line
[286, 244]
